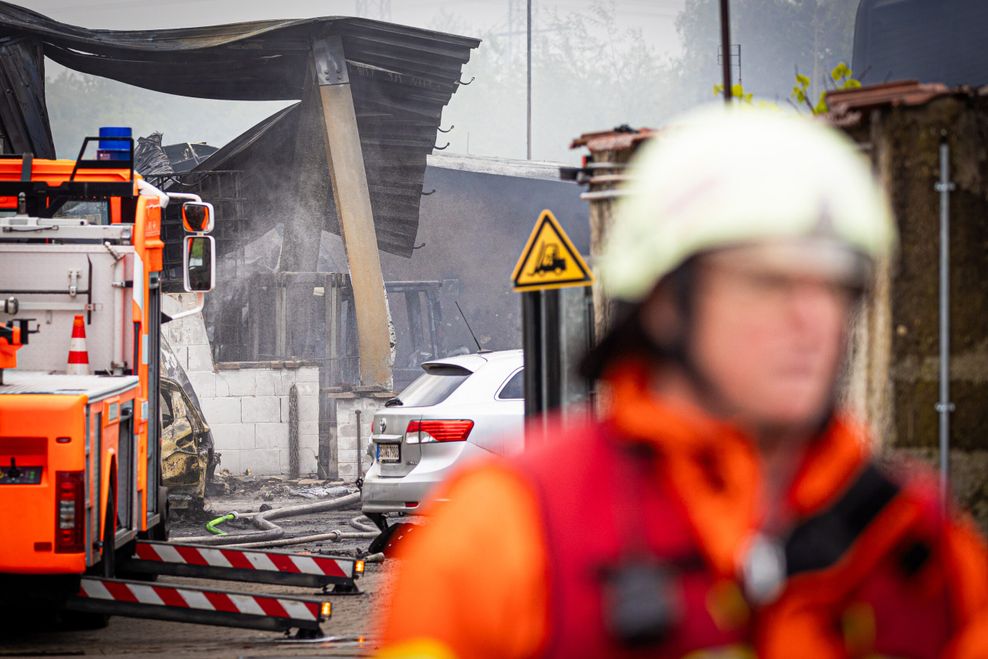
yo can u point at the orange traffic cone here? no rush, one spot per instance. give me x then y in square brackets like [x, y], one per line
[78, 354]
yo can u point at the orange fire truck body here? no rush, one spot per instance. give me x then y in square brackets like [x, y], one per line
[80, 433]
[78, 460]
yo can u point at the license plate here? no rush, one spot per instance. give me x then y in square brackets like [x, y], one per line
[389, 452]
[20, 475]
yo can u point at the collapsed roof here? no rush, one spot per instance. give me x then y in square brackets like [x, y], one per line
[400, 77]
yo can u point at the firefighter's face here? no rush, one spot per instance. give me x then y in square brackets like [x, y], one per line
[770, 340]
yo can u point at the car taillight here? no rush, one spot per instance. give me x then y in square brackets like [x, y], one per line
[69, 516]
[438, 430]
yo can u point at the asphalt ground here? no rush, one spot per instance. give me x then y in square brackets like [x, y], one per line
[348, 633]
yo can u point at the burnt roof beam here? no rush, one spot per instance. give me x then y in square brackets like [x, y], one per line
[352, 195]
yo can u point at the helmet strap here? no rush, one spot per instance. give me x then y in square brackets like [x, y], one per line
[677, 349]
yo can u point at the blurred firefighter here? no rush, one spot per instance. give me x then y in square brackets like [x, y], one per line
[723, 502]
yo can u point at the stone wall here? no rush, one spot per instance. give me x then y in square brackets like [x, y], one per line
[247, 405]
[894, 380]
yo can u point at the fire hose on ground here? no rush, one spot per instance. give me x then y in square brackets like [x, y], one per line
[272, 535]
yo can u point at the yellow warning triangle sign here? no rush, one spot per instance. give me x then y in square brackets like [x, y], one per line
[549, 259]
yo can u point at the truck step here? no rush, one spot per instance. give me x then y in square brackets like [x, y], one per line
[136, 599]
[253, 565]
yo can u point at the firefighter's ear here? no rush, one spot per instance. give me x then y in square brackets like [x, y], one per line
[661, 315]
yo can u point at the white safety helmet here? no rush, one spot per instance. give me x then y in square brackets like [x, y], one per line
[722, 177]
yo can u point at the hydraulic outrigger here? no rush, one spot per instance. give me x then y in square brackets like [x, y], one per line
[204, 605]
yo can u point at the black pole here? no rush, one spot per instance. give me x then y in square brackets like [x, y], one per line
[725, 47]
[532, 329]
[528, 69]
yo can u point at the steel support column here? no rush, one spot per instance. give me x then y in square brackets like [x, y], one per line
[349, 179]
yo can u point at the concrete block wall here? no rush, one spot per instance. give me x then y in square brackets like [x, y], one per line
[353, 436]
[248, 408]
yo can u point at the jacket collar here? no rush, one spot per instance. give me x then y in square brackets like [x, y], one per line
[716, 469]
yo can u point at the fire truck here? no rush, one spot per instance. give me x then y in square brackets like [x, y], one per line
[81, 499]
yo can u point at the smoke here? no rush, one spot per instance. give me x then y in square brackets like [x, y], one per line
[596, 64]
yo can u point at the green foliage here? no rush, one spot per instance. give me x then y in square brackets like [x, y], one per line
[840, 72]
[842, 77]
[775, 36]
[738, 94]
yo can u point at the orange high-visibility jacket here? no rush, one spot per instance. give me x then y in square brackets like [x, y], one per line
[502, 567]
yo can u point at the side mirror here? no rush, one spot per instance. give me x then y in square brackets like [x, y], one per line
[198, 216]
[199, 263]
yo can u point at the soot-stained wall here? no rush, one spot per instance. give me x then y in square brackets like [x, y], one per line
[473, 229]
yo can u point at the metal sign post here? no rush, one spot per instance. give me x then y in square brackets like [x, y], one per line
[725, 44]
[557, 318]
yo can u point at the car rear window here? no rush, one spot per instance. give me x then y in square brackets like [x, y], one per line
[434, 386]
[515, 388]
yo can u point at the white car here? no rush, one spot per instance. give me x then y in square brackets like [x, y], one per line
[461, 408]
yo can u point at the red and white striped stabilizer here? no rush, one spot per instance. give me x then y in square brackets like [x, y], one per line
[245, 559]
[78, 354]
[295, 609]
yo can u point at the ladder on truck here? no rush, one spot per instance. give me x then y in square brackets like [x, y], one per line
[208, 605]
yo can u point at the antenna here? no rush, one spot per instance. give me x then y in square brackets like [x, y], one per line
[469, 329]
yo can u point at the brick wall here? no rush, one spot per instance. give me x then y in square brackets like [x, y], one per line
[248, 408]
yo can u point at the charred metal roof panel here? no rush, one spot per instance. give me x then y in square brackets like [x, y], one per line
[262, 60]
[401, 79]
[23, 115]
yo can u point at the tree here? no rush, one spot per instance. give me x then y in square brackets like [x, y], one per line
[588, 74]
[777, 37]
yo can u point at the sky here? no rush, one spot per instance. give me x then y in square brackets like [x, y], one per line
[217, 122]
[654, 17]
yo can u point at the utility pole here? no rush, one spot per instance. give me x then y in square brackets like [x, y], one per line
[528, 52]
[725, 40]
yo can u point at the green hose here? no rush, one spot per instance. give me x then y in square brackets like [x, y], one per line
[212, 524]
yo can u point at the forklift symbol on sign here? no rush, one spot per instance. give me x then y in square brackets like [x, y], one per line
[549, 260]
